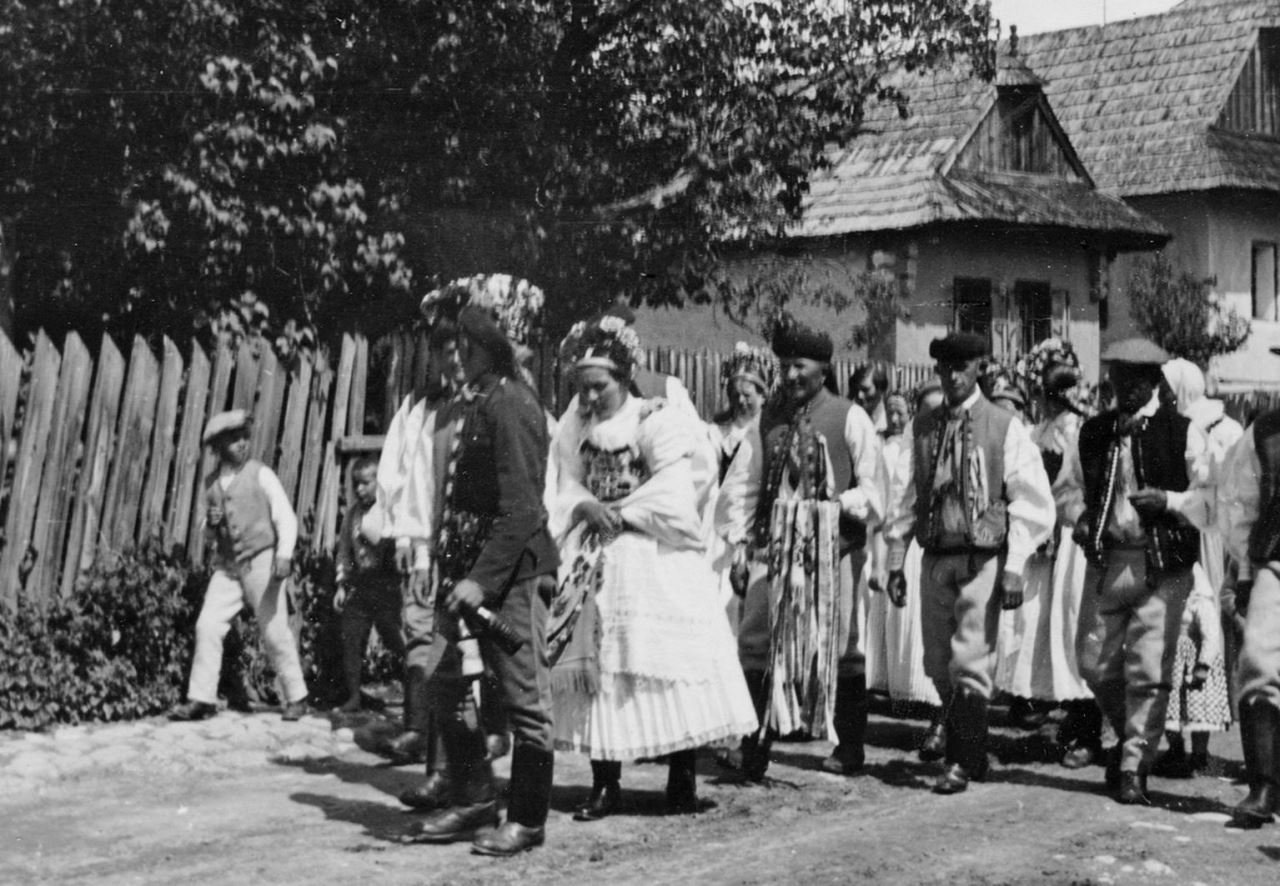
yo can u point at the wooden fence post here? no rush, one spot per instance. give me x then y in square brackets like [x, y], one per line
[129, 462]
[10, 368]
[156, 487]
[295, 424]
[224, 361]
[186, 466]
[29, 465]
[272, 380]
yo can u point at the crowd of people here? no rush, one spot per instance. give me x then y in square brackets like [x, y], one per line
[627, 582]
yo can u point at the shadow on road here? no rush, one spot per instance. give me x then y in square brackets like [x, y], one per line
[380, 821]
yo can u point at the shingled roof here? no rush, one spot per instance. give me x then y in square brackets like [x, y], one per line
[1140, 98]
[898, 173]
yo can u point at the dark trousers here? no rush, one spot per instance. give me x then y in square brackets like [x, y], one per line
[371, 605]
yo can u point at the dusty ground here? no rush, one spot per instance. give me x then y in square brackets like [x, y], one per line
[251, 799]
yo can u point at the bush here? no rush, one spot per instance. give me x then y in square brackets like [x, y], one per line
[1181, 314]
[118, 649]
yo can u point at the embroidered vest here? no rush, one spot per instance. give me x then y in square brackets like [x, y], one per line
[827, 414]
[1159, 462]
[1264, 538]
[247, 528]
[985, 427]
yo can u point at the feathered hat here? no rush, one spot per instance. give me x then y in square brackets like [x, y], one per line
[607, 342]
[514, 304]
[754, 364]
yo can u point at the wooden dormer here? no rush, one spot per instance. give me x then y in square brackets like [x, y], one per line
[1253, 108]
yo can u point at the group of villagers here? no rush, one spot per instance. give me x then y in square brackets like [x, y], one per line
[627, 582]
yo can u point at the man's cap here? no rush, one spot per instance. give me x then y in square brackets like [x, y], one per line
[223, 422]
[1136, 351]
[957, 346]
[790, 339]
[479, 326]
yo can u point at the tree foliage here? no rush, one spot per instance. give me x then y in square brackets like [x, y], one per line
[294, 161]
[1181, 313]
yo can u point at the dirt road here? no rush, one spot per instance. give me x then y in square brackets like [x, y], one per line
[249, 799]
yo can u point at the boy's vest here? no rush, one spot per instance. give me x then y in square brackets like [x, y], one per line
[985, 426]
[1159, 450]
[247, 528]
[1264, 538]
[828, 415]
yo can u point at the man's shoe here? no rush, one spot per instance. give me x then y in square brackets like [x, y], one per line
[193, 710]
[407, 748]
[934, 746]
[844, 763]
[434, 793]
[1133, 790]
[455, 824]
[510, 839]
[295, 710]
[1081, 756]
[954, 780]
[603, 802]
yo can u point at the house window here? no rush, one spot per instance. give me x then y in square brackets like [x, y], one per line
[1265, 282]
[1035, 312]
[1254, 103]
[972, 302]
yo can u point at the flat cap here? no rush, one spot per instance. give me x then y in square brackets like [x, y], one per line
[1136, 351]
[231, 420]
[959, 346]
[479, 326]
[792, 338]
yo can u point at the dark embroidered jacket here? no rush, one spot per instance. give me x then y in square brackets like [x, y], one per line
[1159, 450]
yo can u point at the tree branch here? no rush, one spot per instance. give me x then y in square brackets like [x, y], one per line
[652, 198]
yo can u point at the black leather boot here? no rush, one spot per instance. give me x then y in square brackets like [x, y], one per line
[1259, 734]
[606, 791]
[417, 714]
[530, 789]
[851, 726]
[1080, 735]
[968, 722]
[934, 744]
[756, 745]
[474, 799]
[682, 782]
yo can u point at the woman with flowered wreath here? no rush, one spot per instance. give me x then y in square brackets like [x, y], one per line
[644, 660]
[750, 377]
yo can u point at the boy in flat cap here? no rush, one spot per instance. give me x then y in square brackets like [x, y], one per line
[821, 482]
[251, 530]
[1136, 488]
[976, 497]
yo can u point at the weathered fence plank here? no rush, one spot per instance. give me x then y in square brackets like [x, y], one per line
[313, 451]
[266, 411]
[156, 488]
[11, 371]
[29, 466]
[327, 502]
[49, 534]
[224, 361]
[294, 426]
[392, 384]
[133, 447]
[83, 537]
[186, 462]
[359, 386]
[248, 363]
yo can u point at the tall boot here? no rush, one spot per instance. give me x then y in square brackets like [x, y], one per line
[682, 782]
[412, 745]
[606, 791]
[474, 799]
[436, 792]
[530, 790]
[968, 723]
[1260, 735]
[850, 725]
[756, 745]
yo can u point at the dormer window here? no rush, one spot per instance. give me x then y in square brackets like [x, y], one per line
[1254, 105]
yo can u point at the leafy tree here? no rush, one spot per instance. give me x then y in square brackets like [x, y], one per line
[1181, 314]
[261, 159]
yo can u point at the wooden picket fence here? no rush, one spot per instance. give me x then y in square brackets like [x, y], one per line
[106, 445]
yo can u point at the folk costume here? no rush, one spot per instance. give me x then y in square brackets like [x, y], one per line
[822, 478]
[975, 496]
[257, 529]
[645, 658]
[1139, 574]
[739, 466]
[490, 527]
[367, 569]
[1249, 518]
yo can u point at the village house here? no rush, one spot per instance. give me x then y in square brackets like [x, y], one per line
[1179, 114]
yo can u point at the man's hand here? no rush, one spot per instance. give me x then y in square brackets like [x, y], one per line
[1150, 502]
[404, 559]
[740, 569]
[1083, 530]
[340, 597]
[896, 588]
[1011, 587]
[602, 519]
[466, 594]
[283, 568]
[1244, 589]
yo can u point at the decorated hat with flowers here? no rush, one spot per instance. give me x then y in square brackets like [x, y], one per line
[758, 365]
[607, 342]
[513, 303]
